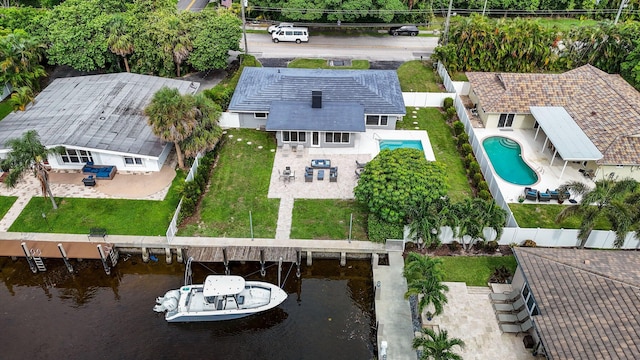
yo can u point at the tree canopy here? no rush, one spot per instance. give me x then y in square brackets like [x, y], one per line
[398, 180]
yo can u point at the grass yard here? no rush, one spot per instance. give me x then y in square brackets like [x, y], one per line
[474, 270]
[418, 76]
[328, 219]
[5, 108]
[322, 64]
[239, 184]
[118, 216]
[566, 24]
[544, 216]
[5, 204]
[444, 147]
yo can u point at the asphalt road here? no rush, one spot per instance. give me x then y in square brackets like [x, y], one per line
[193, 5]
[372, 48]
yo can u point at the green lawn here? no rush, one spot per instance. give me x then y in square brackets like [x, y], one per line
[5, 204]
[328, 219]
[566, 24]
[118, 216]
[418, 76]
[239, 184]
[322, 64]
[474, 270]
[5, 108]
[444, 147]
[543, 216]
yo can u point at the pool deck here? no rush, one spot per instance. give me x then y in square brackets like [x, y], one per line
[538, 160]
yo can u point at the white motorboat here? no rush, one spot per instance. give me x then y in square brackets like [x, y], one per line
[221, 297]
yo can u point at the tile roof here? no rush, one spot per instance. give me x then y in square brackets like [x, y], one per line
[604, 106]
[101, 112]
[589, 301]
[378, 91]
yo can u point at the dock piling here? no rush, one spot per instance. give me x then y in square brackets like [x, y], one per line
[226, 261]
[298, 261]
[280, 272]
[145, 255]
[309, 258]
[168, 256]
[65, 258]
[179, 255]
[27, 254]
[343, 259]
[263, 272]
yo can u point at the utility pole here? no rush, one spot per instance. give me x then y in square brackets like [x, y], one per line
[244, 26]
[446, 24]
[623, 3]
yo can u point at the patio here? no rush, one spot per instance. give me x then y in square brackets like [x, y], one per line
[532, 154]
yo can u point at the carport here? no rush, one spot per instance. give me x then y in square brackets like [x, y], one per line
[567, 137]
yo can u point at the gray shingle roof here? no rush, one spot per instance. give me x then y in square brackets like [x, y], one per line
[102, 112]
[378, 91]
[589, 301]
[333, 116]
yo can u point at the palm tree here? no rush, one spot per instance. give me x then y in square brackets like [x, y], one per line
[180, 45]
[437, 346]
[207, 133]
[28, 153]
[419, 266]
[21, 97]
[20, 57]
[471, 216]
[614, 200]
[424, 278]
[119, 40]
[172, 117]
[426, 220]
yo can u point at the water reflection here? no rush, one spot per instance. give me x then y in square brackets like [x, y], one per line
[327, 315]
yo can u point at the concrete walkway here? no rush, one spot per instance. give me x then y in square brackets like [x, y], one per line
[285, 213]
[393, 311]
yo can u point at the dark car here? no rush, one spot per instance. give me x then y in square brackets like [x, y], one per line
[404, 30]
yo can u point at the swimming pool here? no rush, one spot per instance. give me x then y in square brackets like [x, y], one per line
[506, 158]
[397, 144]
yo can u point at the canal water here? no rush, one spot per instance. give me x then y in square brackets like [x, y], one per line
[89, 315]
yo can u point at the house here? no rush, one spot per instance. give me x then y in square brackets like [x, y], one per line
[588, 116]
[317, 107]
[585, 304]
[97, 118]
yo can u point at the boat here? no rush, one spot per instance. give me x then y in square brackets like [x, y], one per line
[221, 297]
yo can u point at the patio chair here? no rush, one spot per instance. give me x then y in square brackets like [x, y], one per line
[299, 150]
[320, 174]
[519, 318]
[359, 172]
[509, 307]
[360, 165]
[553, 193]
[543, 196]
[514, 328]
[286, 149]
[531, 194]
[333, 174]
[505, 297]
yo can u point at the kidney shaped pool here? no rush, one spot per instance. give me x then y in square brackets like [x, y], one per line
[506, 158]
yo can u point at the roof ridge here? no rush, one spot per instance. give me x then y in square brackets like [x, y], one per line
[594, 272]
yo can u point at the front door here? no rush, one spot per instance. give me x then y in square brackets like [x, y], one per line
[315, 139]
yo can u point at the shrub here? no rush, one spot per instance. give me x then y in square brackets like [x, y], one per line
[455, 246]
[466, 151]
[474, 167]
[451, 113]
[491, 246]
[458, 128]
[501, 274]
[477, 178]
[484, 195]
[463, 139]
[468, 159]
[482, 185]
[529, 243]
[380, 230]
[447, 103]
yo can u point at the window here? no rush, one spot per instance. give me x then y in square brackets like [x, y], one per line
[72, 156]
[128, 160]
[529, 300]
[336, 137]
[377, 120]
[260, 115]
[294, 136]
[506, 120]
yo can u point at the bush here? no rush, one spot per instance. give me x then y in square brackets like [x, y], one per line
[220, 94]
[447, 103]
[477, 178]
[474, 167]
[458, 128]
[451, 113]
[463, 139]
[484, 195]
[529, 243]
[380, 230]
[468, 159]
[491, 246]
[467, 151]
[192, 190]
[482, 185]
[455, 246]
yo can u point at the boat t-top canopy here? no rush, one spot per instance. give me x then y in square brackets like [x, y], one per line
[216, 285]
[567, 137]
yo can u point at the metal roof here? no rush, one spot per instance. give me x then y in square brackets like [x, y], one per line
[378, 91]
[332, 116]
[99, 112]
[567, 137]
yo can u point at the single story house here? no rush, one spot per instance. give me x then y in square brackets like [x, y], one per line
[317, 107]
[588, 116]
[96, 118]
[584, 304]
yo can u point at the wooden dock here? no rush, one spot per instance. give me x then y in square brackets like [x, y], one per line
[49, 249]
[242, 253]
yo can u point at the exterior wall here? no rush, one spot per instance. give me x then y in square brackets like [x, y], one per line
[117, 160]
[518, 279]
[621, 172]
[249, 121]
[322, 142]
[520, 121]
[391, 122]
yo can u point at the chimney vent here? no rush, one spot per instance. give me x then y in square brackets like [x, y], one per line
[316, 99]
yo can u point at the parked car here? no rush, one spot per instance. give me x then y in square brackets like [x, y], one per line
[411, 30]
[273, 28]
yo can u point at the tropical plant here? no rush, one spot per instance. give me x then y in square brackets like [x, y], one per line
[426, 219]
[28, 154]
[424, 279]
[20, 56]
[179, 44]
[437, 346]
[207, 133]
[470, 218]
[119, 38]
[21, 97]
[214, 33]
[614, 200]
[398, 180]
[418, 266]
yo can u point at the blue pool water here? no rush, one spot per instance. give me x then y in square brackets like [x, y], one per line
[506, 158]
[397, 144]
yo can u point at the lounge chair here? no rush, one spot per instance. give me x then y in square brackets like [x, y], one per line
[543, 196]
[299, 150]
[360, 165]
[504, 297]
[286, 149]
[509, 307]
[514, 328]
[518, 318]
[531, 194]
[553, 193]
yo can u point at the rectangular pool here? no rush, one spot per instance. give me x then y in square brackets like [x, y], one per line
[397, 144]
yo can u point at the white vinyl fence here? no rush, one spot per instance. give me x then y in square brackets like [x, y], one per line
[173, 225]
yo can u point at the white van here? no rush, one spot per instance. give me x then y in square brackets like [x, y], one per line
[297, 34]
